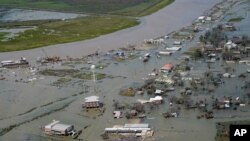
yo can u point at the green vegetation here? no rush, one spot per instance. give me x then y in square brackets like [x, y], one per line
[238, 19]
[128, 92]
[182, 35]
[2, 35]
[214, 36]
[144, 9]
[49, 32]
[71, 73]
[54, 32]
[61, 81]
[124, 7]
[156, 7]
[195, 52]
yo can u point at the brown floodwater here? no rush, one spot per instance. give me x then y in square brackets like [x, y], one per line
[179, 14]
[20, 102]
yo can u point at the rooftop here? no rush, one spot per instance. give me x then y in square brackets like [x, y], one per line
[56, 125]
[92, 99]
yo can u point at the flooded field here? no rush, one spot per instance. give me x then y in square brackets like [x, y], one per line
[33, 97]
[10, 15]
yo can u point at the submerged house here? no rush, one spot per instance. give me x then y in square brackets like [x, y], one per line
[16, 63]
[156, 99]
[138, 130]
[56, 128]
[230, 45]
[92, 102]
[167, 67]
[209, 48]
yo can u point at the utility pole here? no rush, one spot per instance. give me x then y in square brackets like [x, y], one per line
[94, 77]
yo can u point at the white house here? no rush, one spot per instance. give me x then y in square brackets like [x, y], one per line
[230, 45]
[56, 128]
[92, 102]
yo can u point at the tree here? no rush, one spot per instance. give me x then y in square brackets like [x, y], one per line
[197, 54]
[245, 40]
[201, 38]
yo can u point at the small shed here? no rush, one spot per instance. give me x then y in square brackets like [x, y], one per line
[158, 92]
[177, 43]
[167, 67]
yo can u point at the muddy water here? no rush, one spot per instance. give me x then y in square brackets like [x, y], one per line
[179, 14]
[18, 98]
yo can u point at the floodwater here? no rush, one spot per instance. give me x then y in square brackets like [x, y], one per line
[11, 15]
[173, 17]
[21, 102]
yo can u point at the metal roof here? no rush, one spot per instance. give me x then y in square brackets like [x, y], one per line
[61, 127]
[52, 124]
[92, 99]
[57, 126]
[136, 125]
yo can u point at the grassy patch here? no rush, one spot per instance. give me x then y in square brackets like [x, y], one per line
[238, 19]
[71, 73]
[181, 35]
[194, 52]
[144, 8]
[61, 81]
[156, 7]
[2, 35]
[54, 32]
[128, 7]
[128, 92]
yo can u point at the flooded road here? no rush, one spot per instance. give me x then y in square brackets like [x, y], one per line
[179, 14]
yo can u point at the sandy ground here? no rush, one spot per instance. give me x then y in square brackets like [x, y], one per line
[179, 14]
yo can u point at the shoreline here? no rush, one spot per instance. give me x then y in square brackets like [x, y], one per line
[149, 28]
[209, 131]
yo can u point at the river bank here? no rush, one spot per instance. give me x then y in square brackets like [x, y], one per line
[152, 26]
[31, 100]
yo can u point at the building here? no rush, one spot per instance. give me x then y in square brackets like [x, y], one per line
[92, 102]
[117, 114]
[138, 130]
[165, 53]
[156, 99]
[173, 49]
[56, 128]
[177, 43]
[16, 63]
[167, 67]
[158, 92]
[209, 48]
[230, 45]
